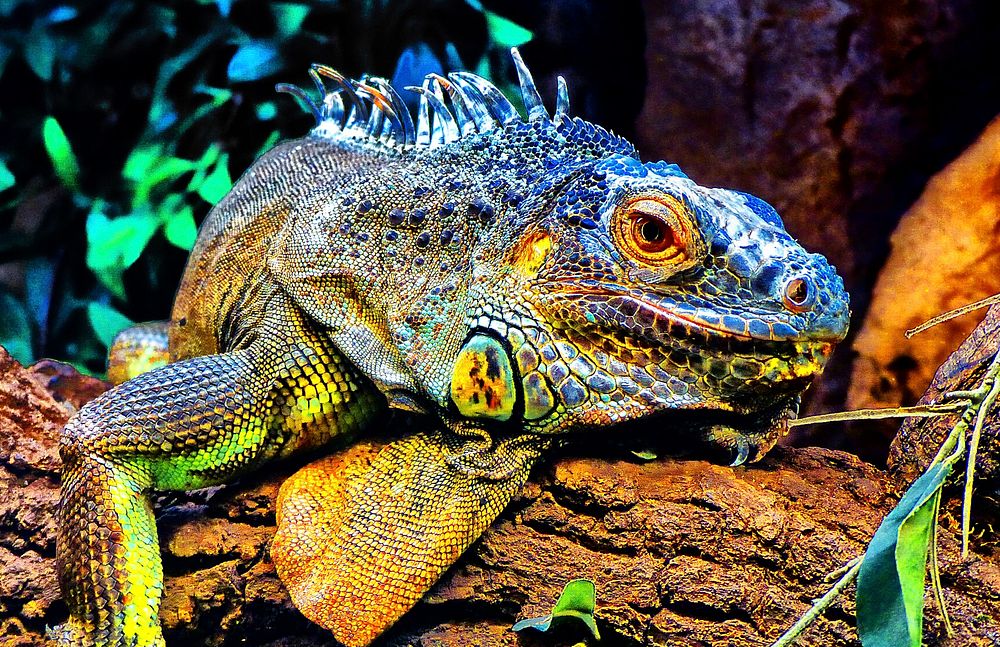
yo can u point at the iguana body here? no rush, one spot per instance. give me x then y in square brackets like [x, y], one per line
[508, 281]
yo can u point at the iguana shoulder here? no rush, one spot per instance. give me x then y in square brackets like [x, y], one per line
[228, 262]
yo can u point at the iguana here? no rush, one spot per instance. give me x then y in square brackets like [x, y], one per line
[507, 280]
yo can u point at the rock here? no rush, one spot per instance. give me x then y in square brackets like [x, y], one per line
[682, 551]
[31, 416]
[943, 256]
[835, 111]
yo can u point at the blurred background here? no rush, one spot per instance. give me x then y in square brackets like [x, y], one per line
[121, 123]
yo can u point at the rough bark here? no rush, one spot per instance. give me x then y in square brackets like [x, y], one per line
[684, 552]
[918, 439]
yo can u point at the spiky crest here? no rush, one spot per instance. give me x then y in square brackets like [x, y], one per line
[451, 107]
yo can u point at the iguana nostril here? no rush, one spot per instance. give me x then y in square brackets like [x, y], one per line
[799, 294]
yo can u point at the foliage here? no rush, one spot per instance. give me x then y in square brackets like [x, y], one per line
[121, 123]
[575, 606]
[891, 580]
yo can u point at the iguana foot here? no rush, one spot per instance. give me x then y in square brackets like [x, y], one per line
[72, 634]
[755, 435]
[137, 350]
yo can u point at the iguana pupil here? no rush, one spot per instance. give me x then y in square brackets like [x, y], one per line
[652, 232]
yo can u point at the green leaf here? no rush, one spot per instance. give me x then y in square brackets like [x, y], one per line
[504, 32]
[224, 6]
[288, 17]
[180, 229]
[63, 160]
[576, 603]
[645, 454]
[218, 182]
[890, 590]
[15, 329]
[148, 167]
[267, 111]
[113, 245]
[40, 51]
[6, 177]
[254, 61]
[140, 161]
[62, 13]
[219, 95]
[106, 322]
[269, 143]
[161, 112]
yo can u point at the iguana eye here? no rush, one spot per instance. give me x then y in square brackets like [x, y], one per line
[654, 231]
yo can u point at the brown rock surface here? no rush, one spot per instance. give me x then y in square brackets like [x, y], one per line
[683, 552]
[945, 253]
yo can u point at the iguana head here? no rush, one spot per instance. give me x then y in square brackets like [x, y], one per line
[636, 290]
[656, 293]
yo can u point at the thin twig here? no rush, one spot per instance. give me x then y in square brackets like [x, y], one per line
[951, 314]
[821, 604]
[918, 411]
[977, 431]
[935, 568]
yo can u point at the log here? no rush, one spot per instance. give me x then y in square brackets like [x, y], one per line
[919, 438]
[683, 551]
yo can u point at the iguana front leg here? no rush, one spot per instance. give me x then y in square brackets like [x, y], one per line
[183, 426]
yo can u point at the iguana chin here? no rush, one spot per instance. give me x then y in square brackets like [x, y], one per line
[508, 280]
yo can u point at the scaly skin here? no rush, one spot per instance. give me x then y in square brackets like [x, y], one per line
[508, 281]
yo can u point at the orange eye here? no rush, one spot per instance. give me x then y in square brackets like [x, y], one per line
[655, 231]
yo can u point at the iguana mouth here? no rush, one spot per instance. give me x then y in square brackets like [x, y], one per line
[777, 366]
[664, 318]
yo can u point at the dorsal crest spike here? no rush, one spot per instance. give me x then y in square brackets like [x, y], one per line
[358, 112]
[381, 105]
[459, 104]
[399, 106]
[317, 80]
[302, 96]
[442, 116]
[495, 101]
[529, 93]
[476, 103]
[423, 124]
[562, 99]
